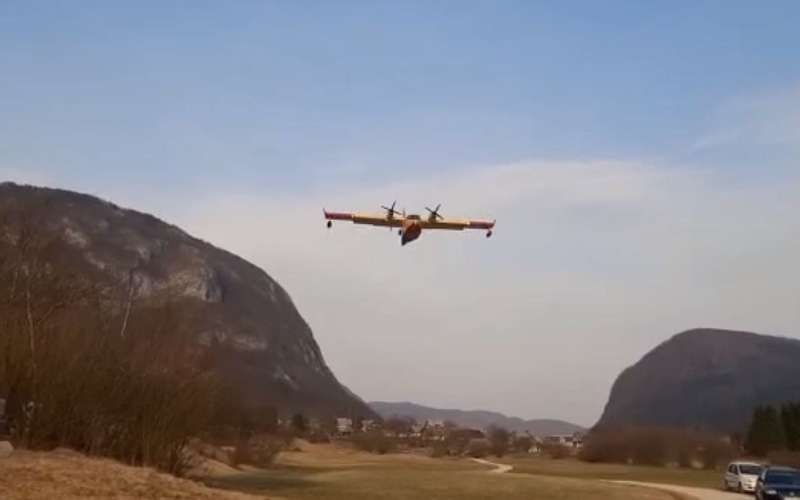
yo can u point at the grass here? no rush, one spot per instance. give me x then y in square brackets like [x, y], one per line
[326, 473]
[67, 475]
[573, 468]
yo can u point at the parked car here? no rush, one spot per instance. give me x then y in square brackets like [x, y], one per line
[778, 483]
[741, 476]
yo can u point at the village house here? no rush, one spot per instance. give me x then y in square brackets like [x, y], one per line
[344, 426]
[569, 440]
[369, 425]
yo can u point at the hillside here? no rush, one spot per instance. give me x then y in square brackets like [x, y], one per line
[262, 345]
[706, 378]
[478, 419]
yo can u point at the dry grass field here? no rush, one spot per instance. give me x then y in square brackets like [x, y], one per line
[70, 476]
[324, 472]
[330, 473]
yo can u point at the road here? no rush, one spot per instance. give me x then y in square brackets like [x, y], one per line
[498, 468]
[697, 493]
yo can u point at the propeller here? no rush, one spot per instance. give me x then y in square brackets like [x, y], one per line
[435, 213]
[390, 210]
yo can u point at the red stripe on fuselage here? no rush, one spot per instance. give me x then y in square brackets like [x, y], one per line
[338, 216]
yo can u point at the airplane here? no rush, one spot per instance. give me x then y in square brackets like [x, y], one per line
[410, 225]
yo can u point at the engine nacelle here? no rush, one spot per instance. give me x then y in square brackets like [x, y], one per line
[329, 224]
[489, 233]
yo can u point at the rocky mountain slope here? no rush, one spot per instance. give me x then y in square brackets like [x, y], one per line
[706, 378]
[265, 347]
[477, 419]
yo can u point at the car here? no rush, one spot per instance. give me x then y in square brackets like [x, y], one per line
[741, 476]
[778, 483]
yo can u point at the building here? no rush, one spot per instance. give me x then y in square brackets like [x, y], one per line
[369, 425]
[569, 440]
[344, 426]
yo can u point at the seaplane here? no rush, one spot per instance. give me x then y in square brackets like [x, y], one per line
[410, 226]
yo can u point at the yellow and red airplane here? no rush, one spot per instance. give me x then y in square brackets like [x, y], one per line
[410, 225]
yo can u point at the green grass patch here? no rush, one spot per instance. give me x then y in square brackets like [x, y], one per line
[616, 472]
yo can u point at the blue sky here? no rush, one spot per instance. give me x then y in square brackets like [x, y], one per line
[282, 93]
[574, 123]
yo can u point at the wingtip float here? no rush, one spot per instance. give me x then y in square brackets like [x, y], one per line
[410, 226]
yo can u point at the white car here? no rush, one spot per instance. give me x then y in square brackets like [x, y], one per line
[741, 476]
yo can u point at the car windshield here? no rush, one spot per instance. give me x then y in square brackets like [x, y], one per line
[783, 477]
[750, 469]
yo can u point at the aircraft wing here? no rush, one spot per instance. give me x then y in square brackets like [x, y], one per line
[456, 224]
[372, 220]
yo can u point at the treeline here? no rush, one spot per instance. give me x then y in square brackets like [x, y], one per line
[449, 440]
[658, 446]
[87, 366]
[774, 429]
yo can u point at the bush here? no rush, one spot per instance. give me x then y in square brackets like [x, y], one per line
[498, 437]
[785, 458]
[374, 442]
[318, 437]
[523, 444]
[82, 368]
[299, 424]
[657, 446]
[439, 450]
[478, 447]
[399, 425]
[556, 451]
[264, 449]
[457, 440]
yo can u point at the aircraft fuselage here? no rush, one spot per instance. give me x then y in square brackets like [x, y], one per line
[411, 231]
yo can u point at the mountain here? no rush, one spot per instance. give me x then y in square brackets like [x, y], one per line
[265, 348]
[478, 419]
[707, 379]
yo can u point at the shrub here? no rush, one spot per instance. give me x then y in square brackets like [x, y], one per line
[656, 446]
[264, 449]
[318, 437]
[523, 444]
[498, 437]
[83, 368]
[439, 450]
[457, 440]
[299, 425]
[374, 442]
[785, 458]
[766, 432]
[478, 447]
[556, 451]
[399, 424]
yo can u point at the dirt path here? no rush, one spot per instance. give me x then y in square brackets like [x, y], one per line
[685, 491]
[498, 468]
[696, 493]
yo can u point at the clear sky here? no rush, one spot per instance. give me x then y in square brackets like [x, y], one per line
[640, 157]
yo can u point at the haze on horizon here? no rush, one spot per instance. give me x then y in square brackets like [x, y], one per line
[640, 159]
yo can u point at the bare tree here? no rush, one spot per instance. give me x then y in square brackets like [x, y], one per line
[499, 438]
[70, 377]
